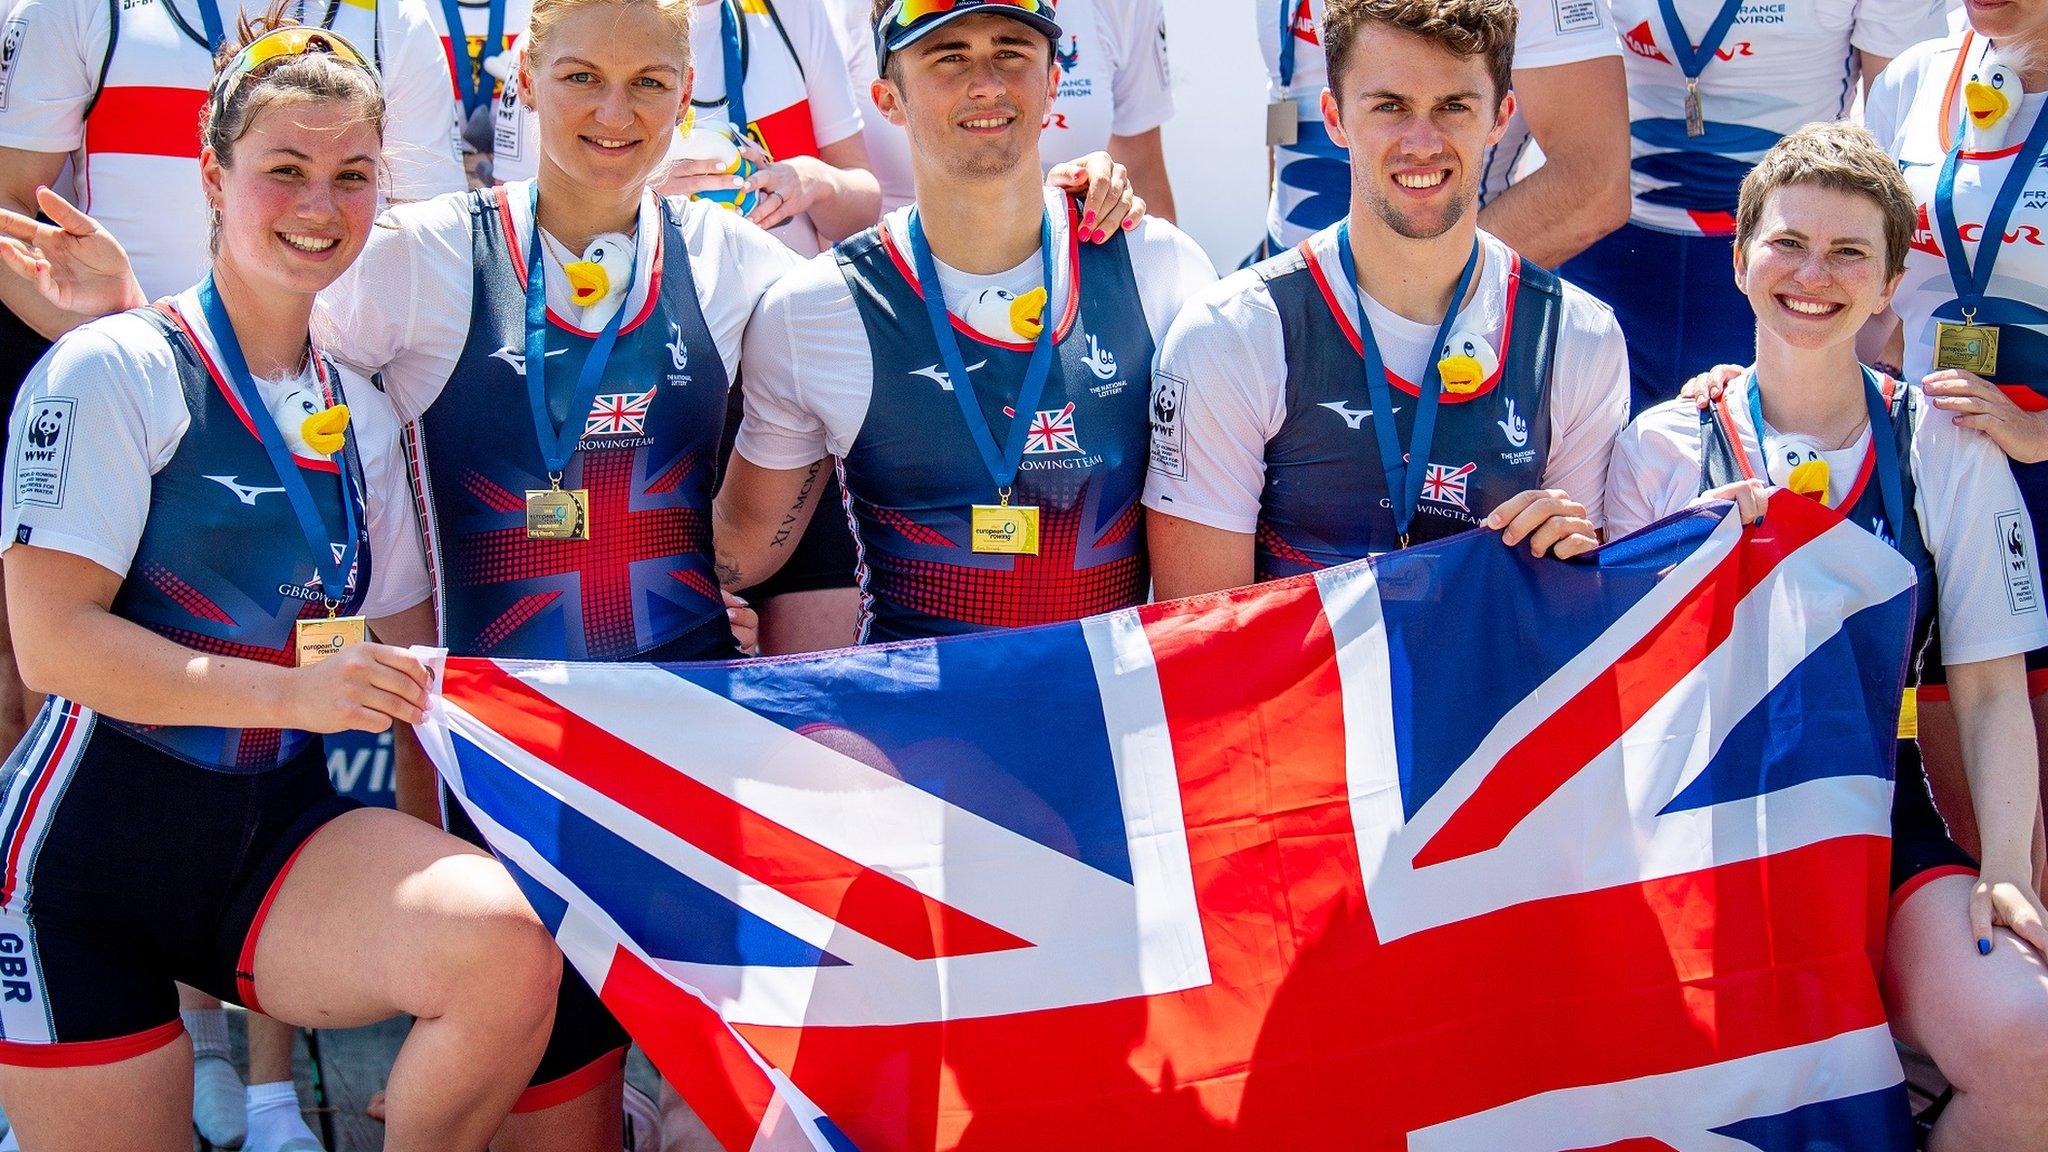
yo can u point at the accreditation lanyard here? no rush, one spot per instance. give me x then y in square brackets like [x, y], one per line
[1883, 445]
[1972, 282]
[469, 74]
[1404, 474]
[331, 561]
[730, 40]
[1002, 463]
[1287, 11]
[1693, 58]
[558, 444]
[216, 28]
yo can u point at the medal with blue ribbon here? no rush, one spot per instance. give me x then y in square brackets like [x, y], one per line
[1692, 59]
[313, 640]
[472, 87]
[1003, 527]
[1966, 328]
[555, 512]
[1404, 473]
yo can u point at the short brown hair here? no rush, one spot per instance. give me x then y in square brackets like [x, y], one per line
[1840, 156]
[1465, 28]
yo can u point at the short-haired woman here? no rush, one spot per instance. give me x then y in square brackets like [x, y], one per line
[1822, 227]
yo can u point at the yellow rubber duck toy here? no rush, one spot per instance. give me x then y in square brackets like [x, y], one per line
[595, 281]
[1807, 473]
[310, 428]
[1002, 315]
[1465, 362]
[1991, 94]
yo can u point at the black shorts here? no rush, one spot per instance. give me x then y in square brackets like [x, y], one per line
[128, 869]
[1921, 848]
[20, 348]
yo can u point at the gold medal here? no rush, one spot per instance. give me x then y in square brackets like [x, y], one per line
[1967, 346]
[315, 640]
[1283, 123]
[1909, 714]
[558, 513]
[1006, 528]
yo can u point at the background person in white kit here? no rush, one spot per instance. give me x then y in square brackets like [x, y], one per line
[486, 31]
[1115, 92]
[123, 107]
[1712, 84]
[1570, 103]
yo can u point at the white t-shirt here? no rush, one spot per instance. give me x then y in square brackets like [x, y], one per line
[54, 77]
[1309, 194]
[1784, 64]
[1113, 82]
[810, 371]
[1963, 494]
[119, 377]
[372, 316]
[1229, 351]
[1904, 112]
[798, 94]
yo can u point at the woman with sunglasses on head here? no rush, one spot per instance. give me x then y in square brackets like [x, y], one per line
[208, 519]
[115, 91]
[1822, 226]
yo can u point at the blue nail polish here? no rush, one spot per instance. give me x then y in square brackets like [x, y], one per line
[1983, 946]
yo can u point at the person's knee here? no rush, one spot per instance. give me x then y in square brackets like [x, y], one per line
[498, 951]
[2002, 1053]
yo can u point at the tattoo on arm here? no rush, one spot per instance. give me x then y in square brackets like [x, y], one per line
[729, 576]
[803, 497]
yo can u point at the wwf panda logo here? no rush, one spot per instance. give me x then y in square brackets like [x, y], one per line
[47, 427]
[10, 51]
[1166, 401]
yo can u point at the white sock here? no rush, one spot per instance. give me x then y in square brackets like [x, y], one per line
[274, 1118]
[209, 1030]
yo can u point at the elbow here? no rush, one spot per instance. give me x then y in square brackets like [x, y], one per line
[1607, 203]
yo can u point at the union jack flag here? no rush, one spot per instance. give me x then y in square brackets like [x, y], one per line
[1445, 484]
[1052, 431]
[618, 413]
[1337, 861]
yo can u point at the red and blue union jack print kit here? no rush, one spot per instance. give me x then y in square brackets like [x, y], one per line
[641, 452]
[1276, 870]
[1072, 449]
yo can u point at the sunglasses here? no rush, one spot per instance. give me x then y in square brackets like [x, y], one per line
[914, 10]
[282, 44]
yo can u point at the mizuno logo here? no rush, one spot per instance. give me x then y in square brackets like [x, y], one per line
[937, 374]
[243, 492]
[1353, 417]
[517, 359]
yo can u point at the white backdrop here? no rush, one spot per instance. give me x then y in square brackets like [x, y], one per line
[1215, 143]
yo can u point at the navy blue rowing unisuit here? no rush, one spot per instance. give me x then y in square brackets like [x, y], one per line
[914, 471]
[1325, 499]
[642, 586]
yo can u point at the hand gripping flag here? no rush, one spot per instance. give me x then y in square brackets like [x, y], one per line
[1449, 850]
